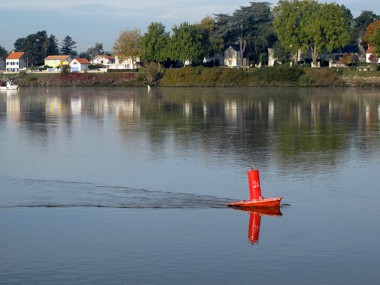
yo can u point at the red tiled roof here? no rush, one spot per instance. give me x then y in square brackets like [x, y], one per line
[15, 55]
[82, 60]
[57, 57]
[371, 50]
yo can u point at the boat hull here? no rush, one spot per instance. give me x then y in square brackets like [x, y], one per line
[257, 203]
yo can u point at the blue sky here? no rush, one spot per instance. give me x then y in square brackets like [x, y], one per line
[91, 21]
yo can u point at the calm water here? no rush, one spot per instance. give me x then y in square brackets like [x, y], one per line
[126, 186]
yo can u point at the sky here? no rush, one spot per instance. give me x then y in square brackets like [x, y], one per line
[101, 21]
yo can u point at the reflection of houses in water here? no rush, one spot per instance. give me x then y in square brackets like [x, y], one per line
[126, 108]
[55, 107]
[14, 108]
[187, 109]
[231, 111]
[270, 113]
[75, 106]
[101, 106]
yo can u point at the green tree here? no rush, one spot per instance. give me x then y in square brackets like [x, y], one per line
[326, 29]
[3, 52]
[207, 27]
[154, 43]
[250, 26]
[361, 23]
[35, 47]
[128, 45]
[186, 43]
[375, 40]
[288, 15]
[68, 46]
[52, 46]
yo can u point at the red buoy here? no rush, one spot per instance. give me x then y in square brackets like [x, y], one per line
[255, 199]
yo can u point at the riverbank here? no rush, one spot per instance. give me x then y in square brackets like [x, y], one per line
[281, 76]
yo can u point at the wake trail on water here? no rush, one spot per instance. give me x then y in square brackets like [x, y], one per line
[34, 193]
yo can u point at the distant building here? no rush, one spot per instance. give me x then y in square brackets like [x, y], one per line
[232, 57]
[57, 61]
[104, 59]
[79, 65]
[15, 61]
[371, 51]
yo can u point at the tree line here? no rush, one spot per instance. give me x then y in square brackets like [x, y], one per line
[290, 27]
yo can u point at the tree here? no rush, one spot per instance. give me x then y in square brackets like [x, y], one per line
[128, 45]
[250, 25]
[287, 23]
[154, 43]
[369, 32]
[68, 46]
[52, 46]
[3, 52]
[92, 52]
[361, 23]
[35, 47]
[375, 40]
[326, 29]
[207, 27]
[186, 43]
[307, 24]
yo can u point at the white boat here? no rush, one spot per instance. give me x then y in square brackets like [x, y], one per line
[8, 85]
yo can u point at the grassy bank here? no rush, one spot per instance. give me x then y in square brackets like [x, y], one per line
[212, 77]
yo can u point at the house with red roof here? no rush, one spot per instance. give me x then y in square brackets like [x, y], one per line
[79, 65]
[371, 51]
[15, 61]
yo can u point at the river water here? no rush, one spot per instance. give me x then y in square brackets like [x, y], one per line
[129, 186]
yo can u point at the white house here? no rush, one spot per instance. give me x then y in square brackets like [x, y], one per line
[79, 64]
[370, 51]
[15, 61]
[125, 63]
[232, 57]
[104, 59]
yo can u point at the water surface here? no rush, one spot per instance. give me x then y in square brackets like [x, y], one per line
[126, 186]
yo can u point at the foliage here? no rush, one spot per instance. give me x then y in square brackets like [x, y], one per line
[151, 73]
[280, 53]
[250, 26]
[279, 74]
[213, 44]
[68, 46]
[52, 46]
[369, 32]
[36, 47]
[210, 77]
[361, 23]
[186, 44]
[65, 70]
[303, 24]
[347, 59]
[375, 40]
[92, 52]
[128, 45]
[3, 52]
[154, 43]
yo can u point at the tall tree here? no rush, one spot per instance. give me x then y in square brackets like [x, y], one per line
[154, 43]
[326, 29]
[303, 24]
[207, 27]
[52, 46]
[34, 46]
[250, 26]
[369, 32]
[361, 23]
[288, 15]
[128, 45]
[186, 43]
[3, 52]
[68, 46]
